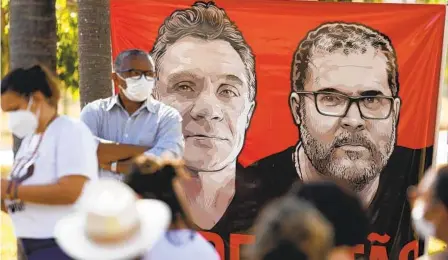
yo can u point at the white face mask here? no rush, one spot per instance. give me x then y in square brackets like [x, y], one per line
[23, 122]
[422, 226]
[138, 90]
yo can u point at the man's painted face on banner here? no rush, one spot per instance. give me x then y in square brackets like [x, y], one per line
[351, 147]
[206, 82]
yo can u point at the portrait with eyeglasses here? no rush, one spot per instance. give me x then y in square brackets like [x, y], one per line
[370, 104]
[345, 103]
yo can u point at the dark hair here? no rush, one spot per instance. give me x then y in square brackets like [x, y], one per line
[157, 185]
[208, 22]
[342, 208]
[26, 81]
[290, 229]
[441, 185]
[348, 38]
[128, 53]
[285, 250]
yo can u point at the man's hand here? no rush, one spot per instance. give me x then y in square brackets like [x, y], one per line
[3, 207]
[178, 164]
[149, 164]
[4, 187]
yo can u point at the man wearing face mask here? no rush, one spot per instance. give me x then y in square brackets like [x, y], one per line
[132, 122]
[429, 202]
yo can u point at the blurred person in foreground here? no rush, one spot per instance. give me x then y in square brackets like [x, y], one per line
[131, 122]
[57, 156]
[342, 208]
[164, 179]
[429, 202]
[111, 223]
[291, 229]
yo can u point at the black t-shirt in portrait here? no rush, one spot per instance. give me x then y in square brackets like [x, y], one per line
[273, 176]
[389, 211]
[253, 189]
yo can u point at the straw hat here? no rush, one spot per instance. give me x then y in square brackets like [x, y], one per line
[111, 223]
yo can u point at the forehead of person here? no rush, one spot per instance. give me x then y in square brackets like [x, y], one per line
[137, 62]
[353, 74]
[12, 100]
[192, 58]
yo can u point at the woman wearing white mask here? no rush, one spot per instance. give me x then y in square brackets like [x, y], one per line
[56, 157]
[429, 202]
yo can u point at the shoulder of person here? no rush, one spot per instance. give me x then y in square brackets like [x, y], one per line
[165, 110]
[399, 155]
[280, 162]
[99, 104]
[274, 160]
[71, 125]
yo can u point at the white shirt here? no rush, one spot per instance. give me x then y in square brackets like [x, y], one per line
[182, 244]
[67, 148]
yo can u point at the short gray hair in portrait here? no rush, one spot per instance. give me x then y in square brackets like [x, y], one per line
[290, 228]
[348, 38]
[205, 20]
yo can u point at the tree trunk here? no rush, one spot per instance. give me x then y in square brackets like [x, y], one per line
[32, 36]
[94, 50]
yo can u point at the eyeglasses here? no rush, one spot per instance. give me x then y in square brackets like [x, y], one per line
[337, 105]
[137, 74]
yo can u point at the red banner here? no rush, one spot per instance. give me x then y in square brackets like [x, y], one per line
[274, 28]
[385, 58]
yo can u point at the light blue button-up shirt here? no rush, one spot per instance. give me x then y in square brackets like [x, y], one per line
[154, 124]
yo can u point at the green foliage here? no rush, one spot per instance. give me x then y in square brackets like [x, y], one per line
[433, 1]
[4, 38]
[67, 46]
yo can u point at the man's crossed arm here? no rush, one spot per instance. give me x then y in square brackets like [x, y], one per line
[109, 152]
[169, 139]
[123, 154]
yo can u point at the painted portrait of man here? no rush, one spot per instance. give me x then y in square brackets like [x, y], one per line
[206, 70]
[346, 105]
[344, 101]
